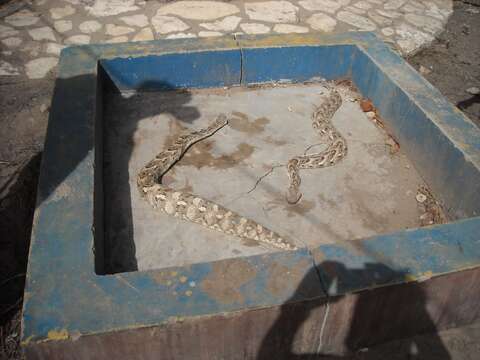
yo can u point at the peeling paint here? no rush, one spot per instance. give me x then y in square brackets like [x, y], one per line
[419, 277]
[57, 335]
[224, 282]
[280, 277]
[161, 277]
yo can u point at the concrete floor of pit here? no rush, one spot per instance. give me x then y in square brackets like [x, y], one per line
[240, 167]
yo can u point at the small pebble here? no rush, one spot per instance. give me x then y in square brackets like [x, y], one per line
[43, 108]
[421, 198]
[290, 109]
[424, 70]
[472, 10]
[370, 115]
[473, 90]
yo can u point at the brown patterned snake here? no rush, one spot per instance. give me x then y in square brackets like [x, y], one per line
[192, 208]
[335, 151]
[195, 209]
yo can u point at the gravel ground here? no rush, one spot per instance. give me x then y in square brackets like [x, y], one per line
[451, 64]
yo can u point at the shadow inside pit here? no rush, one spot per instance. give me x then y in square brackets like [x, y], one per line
[355, 322]
[17, 203]
[119, 142]
[70, 139]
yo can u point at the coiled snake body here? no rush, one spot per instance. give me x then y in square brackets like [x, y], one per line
[201, 211]
[335, 151]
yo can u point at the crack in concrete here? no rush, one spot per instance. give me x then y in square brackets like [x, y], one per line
[263, 177]
[243, 194]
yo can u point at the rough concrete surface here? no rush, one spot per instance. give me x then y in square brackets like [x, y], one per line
[242, 168]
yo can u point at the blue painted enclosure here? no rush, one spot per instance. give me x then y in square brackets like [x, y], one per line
[67, 296]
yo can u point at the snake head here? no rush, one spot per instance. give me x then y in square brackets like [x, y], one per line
[293, 196]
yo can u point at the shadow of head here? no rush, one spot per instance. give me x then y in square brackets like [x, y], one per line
[83, 113]
[77, 123]
[362, 307]
[152, 98]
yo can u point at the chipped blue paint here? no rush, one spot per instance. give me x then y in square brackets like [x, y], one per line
[63, 292]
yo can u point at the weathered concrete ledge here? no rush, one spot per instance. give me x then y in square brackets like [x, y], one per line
[324, 300]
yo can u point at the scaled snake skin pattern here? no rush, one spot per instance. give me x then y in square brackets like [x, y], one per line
[204, 212]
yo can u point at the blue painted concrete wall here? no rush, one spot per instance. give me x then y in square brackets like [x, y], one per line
[64, 297]
[296, 64]
[173, 71]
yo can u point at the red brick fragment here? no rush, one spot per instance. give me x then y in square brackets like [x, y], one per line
[366, 105]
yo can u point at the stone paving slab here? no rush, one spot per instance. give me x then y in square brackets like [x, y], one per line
[32, 35]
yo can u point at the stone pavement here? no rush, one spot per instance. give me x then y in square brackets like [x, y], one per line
[32, 33]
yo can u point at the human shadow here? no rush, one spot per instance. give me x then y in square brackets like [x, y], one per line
[122, 113]
[76, 131]
[352, 322]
